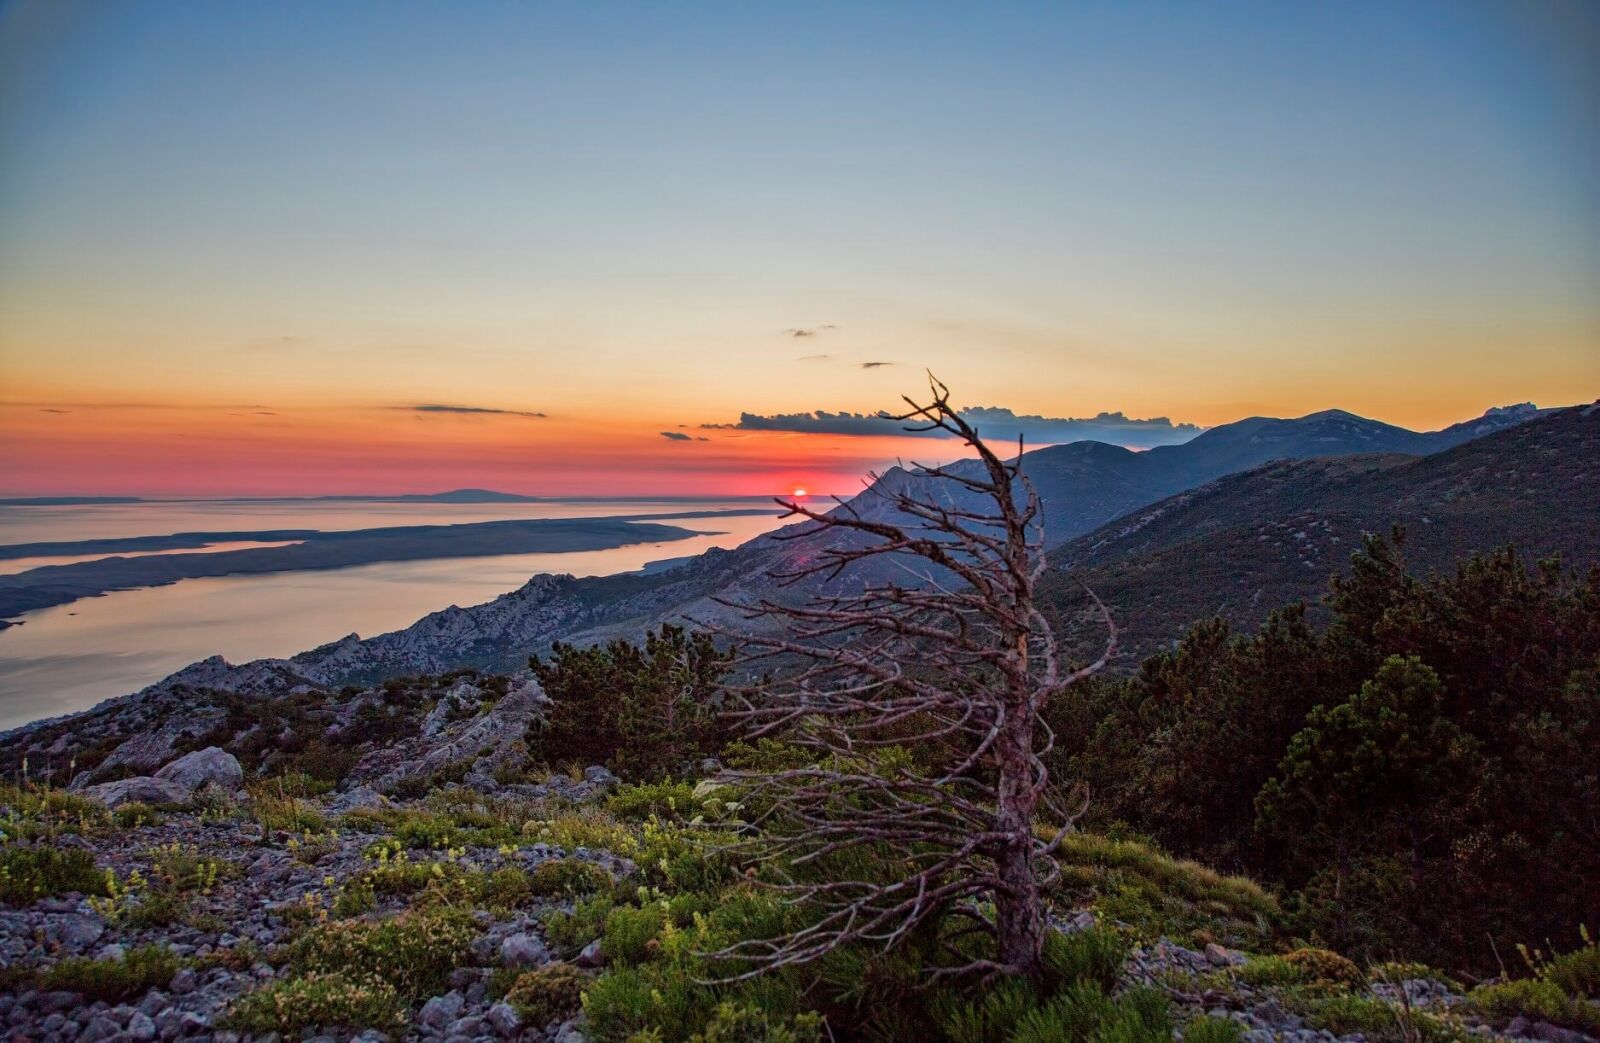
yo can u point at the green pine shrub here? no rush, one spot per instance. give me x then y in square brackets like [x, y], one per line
[548, 993]
[414, 951]
[138, 971]
[28, 874]
[568, 878]
[315, 1000]
[1213, 1030]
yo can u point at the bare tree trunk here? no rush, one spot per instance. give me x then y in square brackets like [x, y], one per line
[1019, 909]
[956, 665]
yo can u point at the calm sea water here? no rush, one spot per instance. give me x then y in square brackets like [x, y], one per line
[71, 656]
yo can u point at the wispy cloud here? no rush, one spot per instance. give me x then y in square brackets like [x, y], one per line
[877, 365]
[993, 422]
[808, 331]
[814, 358]
[432, 407]
[679, 436]
[55, 410]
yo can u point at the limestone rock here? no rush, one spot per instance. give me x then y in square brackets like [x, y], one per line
[212, 765]
[142, 788]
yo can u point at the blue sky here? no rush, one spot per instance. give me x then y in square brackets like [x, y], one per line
[1194, 210]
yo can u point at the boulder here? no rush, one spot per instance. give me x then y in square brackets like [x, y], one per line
[142, 788]
[524, 950]
[357, 798]
[440, 1011]
[505, 1020]
[592, 955]
[212, 765]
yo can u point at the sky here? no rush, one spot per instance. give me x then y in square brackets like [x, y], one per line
[597, 248]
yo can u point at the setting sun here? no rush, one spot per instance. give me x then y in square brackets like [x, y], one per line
[798, 493]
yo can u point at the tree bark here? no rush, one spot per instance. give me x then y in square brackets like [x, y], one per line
[1019, 910]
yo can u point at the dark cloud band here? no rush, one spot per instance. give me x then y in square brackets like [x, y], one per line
[993, 422]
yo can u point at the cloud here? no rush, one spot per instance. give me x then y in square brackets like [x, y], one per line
[467, 410]
[55, 410]
[679, 436]
[993, 422]
[814, 358]
[876, 365]
[808, 331]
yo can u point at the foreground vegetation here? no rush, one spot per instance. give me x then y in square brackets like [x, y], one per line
[1420, 777]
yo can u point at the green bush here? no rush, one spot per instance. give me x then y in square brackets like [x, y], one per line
[30, 873]
[664, 800]
[1095, 955]
[134, 815]
[1324, 966]
[414, 951]
[138, 971]
[631, 930]
[570, 932]
[319, 1001]
[30, 812]
[1539, 999]
[505, 888]
[1213, 1030]
[1577, 973]
[568, 877]
[1380, 1022]
[734, 1022]
[1270, 970]
[547, 993]
[1085, 1013]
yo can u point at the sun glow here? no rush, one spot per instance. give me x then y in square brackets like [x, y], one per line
[799, 494]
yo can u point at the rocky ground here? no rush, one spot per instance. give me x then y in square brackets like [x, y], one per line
[188, 869]
[268, 884]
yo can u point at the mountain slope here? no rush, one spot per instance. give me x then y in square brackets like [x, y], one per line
[1250, 542]
[1083, 485]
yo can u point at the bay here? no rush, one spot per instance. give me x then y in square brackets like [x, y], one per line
[69, 657]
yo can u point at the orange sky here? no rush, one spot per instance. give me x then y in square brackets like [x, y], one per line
[238, 243]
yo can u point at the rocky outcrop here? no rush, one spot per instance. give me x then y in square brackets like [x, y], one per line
[478, 744]
[147, 749]
[211, 766]
[144, 789]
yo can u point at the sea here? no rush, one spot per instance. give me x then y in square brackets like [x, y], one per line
[70, 657]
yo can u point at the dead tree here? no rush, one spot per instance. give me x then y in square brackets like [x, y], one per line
[950, 657]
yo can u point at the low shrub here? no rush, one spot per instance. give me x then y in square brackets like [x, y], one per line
[1270, 970]
[1324, 966]
[505, 888]
[135, 815]
[1379, 1022]
[630, 932]
[178, 869]
[1539, 999]
[281, 812]
[568, 877]
[1213, 1030]
[583, 829]
[30, 873]
[570, 932]
[1095, 955]
[30, 812]
[319, 1001]
[414, 951]
[742, 1022]
[1085, 1012]
[1576, 973]
[547, 993]
[139, 970]
[665, 800]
